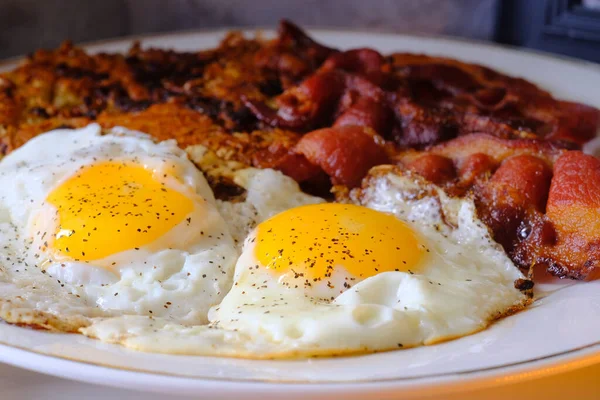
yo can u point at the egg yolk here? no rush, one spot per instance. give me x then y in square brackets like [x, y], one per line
[111, 207]
[311, 241]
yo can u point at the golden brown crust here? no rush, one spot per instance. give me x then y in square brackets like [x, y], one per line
[40, 319]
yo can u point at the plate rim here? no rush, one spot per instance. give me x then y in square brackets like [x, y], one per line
[318, 30]
[491, 376]
[589, 350]
[164, 383]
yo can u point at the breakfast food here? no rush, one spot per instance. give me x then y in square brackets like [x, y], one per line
[103, 223]
[98, 225]
[406, 265]
[275, 197]
[325, 116]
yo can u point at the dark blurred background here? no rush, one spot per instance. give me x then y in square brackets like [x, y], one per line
[570, 27]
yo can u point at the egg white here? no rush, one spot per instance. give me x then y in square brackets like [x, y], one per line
[464, 282]
[268, 192]
[159, 298]
[177, 283]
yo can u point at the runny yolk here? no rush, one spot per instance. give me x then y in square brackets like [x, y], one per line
[311, 241]
[110, 207]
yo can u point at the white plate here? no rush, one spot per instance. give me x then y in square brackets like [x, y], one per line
[561, 331]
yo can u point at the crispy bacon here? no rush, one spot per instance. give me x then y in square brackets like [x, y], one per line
[367, 112]
[574, 211]
[304, 106]
[419, 126]
[345, 153]
[526, 175]
[475, 157]
[497, 149]
[362, 62]
[481, 100]
[346, 82]
[473, 167]
[514, 195]
[435, 168]
[575, 123]
[287, 161]
[293, 55]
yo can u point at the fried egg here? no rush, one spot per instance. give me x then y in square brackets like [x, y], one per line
[398, 264]
[268, 192]
[100, 224]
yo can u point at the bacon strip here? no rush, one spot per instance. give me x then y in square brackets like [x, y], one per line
[574, 210]
[435, 168]
[363, 62]
[345, 153]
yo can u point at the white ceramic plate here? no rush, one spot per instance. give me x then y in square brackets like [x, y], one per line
[561, 331]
